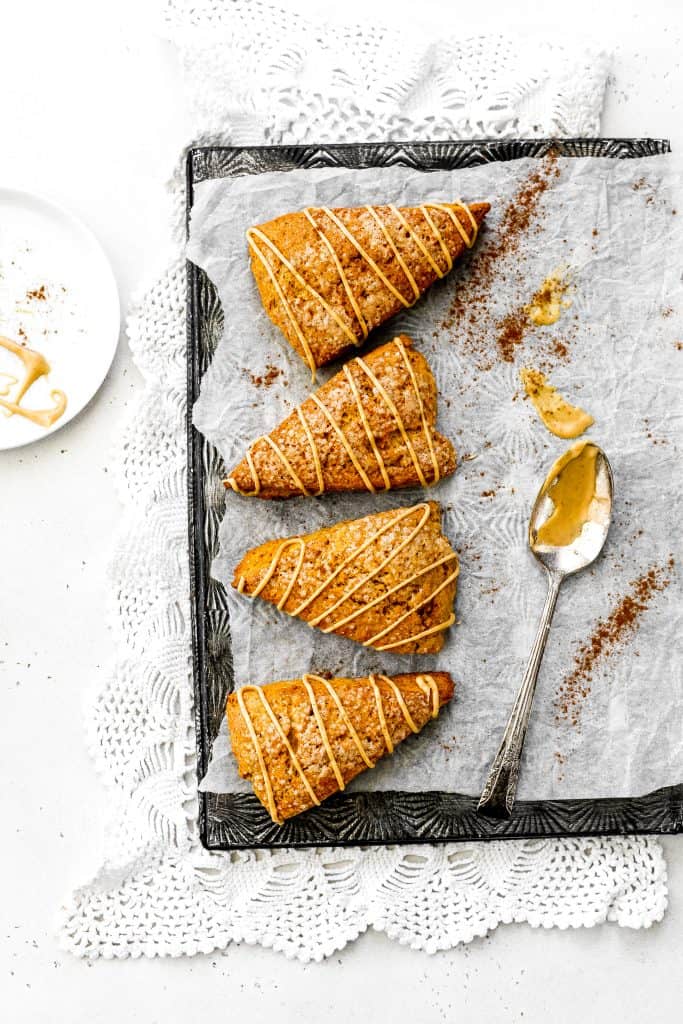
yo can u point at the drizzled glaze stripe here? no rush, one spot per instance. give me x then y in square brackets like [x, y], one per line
[397, 418]
[354, 554]
[345, 718]
[295, 575]
[283, 737]
[380, 714]
[418, 241]
[345, 443]
[435, 231]
[430, 597]
[420, 636]
[342, 276]
[256, 232]
[375, 572]
[366, 256]
[273, 565]
[347, 594]
[367, 428]
[314, 449]
[323, 732]
[401, 703]
[379, 390]
[447, 209]
[272, 809]
[425, 425]
[383, 597]
[427, 684]
[394, 248]
[254, 475]
[308, 355]
[287, 464]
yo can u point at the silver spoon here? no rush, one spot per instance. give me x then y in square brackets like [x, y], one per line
[560, 554]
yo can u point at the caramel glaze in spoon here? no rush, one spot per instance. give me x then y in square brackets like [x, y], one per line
[567, 530]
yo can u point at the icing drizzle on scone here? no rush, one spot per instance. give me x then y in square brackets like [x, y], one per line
[379, 391]
[426, 683]
[261, 245]
[318, 620]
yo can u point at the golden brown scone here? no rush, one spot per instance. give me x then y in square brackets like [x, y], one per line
[371, 427]
[301, 740]
[328, 277]
[387, 580]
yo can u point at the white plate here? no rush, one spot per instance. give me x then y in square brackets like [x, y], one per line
[75, 326]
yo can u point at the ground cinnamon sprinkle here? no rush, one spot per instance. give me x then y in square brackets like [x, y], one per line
[513, 327]
[37, 293]
[555, 350]
[469, 307]
[608, 636]
[560, 349]
[546, 293]
[521, 211]
[269, 377]
[511, 332]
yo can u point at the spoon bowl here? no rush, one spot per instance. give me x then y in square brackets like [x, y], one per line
[587, 545]
[567, 530]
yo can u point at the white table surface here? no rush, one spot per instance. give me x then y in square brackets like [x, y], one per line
[91, 115]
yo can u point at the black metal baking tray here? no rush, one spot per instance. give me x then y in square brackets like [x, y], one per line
[233, 821]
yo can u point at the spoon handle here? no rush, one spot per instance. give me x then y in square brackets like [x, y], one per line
[498, 796]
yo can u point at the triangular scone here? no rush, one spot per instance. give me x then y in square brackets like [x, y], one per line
[327, 277]
[371, 427]
[387, 580]
[302, 740]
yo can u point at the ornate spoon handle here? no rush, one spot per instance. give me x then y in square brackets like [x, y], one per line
[498, 796]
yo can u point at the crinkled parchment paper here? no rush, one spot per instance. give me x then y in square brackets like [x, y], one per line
[616, 229]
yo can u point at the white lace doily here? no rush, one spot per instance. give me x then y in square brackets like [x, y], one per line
[254, 71]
